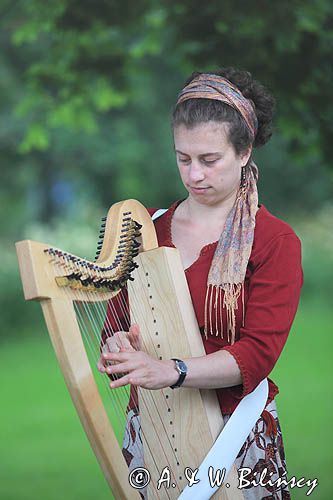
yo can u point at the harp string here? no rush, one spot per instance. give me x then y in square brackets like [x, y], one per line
[119, 396]
[86, 330]
[121, 298]
[147, 394]
[91, 330]
[146, 397]
[92, 338]
[118, 403]
[83, 308]
[139, 450]
[139, 305]
[89, 327]
[147, 400]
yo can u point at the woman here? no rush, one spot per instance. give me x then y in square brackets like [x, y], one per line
[242, 264]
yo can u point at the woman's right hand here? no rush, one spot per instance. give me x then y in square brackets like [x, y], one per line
[119, 342]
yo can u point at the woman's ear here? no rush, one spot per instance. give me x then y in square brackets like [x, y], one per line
[245, 156]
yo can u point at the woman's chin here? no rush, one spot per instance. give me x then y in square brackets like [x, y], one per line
[204, 198]
[210, 199]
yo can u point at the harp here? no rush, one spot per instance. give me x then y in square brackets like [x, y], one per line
[178, 427]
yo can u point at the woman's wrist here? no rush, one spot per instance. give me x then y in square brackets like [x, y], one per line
[171, 374]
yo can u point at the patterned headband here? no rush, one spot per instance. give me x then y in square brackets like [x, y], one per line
[209, 86]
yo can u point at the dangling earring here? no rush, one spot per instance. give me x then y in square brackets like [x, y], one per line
[243, 177]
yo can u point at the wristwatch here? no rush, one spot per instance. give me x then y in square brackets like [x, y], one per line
[182, 370]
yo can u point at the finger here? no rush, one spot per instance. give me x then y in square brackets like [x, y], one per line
[100, 365]
[105, 347]
[118, 368]
[135, 336]
[109, 346]
[116, 356]
[119, 340]
[113, 343]
[120, 382]
[139, 377]
[125, 343]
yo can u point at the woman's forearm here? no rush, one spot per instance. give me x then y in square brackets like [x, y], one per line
[212, 371]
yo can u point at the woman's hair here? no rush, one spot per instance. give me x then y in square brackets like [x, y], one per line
[193, 112]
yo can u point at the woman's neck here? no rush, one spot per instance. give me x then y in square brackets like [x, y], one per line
[200, 214]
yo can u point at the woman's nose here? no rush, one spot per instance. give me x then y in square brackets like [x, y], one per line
[196, 172]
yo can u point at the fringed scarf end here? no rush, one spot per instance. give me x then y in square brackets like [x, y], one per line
[213, 312]
[215, 304]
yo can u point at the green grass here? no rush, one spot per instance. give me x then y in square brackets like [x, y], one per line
[44, 451]
[304, 376]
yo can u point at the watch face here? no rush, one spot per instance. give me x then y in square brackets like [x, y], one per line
[181, 366]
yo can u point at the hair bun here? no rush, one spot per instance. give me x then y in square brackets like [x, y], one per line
[262, 99]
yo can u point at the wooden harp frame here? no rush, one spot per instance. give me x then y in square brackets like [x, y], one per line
[191, 419]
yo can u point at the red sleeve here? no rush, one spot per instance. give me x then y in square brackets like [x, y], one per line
[274, 292]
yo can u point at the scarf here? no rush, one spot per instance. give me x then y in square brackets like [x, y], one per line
[226, 276]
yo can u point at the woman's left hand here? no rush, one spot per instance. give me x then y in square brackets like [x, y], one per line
[140, 369]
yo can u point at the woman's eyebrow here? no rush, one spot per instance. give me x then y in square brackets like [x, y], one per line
[181, 152]
[216, 153]
[203, 154]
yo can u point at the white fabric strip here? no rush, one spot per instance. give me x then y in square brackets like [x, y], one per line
[158, 213]
[226, 447]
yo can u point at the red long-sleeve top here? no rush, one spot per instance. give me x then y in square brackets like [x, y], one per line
[272, 287]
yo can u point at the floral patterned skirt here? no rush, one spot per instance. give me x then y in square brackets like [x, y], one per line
[261, 460]
[264, 456]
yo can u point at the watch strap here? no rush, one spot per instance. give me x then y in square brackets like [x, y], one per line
[182, 374]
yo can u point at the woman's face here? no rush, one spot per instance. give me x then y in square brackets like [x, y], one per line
[207, 162]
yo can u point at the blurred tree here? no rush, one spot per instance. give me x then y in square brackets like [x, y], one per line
[287, 44]
[86, 90]
[84, 51]
[93, 87]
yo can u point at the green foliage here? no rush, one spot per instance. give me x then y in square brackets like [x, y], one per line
[82, 57]
[80, 60]
[37, 137]
[86, 94]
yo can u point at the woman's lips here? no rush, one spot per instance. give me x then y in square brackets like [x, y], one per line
[198, 190]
